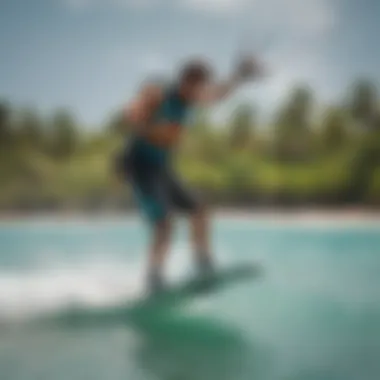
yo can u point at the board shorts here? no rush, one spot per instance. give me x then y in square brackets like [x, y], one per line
[157, 189]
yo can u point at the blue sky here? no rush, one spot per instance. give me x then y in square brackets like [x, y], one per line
[89, 55]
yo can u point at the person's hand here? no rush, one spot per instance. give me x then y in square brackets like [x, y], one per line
[249, 68]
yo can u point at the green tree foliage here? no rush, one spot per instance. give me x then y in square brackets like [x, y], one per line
[334, 130]
[53, 163]
[292, 127]
[201, 123]
[5, 125]
[30, 132]
[63, 134]
[363, 103]
[242, 126]
[118, 124]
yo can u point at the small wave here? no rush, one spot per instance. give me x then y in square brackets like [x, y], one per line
[23, 295]
[96, 281]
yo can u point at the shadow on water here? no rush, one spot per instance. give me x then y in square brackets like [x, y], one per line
[177, 347]
[173, 345]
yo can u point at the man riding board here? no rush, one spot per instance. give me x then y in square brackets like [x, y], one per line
[157, 117]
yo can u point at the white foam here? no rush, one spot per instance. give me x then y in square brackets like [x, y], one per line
[95, 279]
[92, 283]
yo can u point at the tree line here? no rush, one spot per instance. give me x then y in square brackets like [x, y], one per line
[306, 155]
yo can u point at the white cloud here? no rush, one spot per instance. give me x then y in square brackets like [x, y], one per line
[83, 4]
[77, 4]
[309, 15]
[153, 62]
[292, 34]
[217, 6]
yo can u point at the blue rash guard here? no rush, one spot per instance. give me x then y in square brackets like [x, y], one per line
[173, 109]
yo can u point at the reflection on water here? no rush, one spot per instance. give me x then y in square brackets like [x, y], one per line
[180, 348]
[172, 344]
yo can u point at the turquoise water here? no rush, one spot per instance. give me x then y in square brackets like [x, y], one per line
[314, 314]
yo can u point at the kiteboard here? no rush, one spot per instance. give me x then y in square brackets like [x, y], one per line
[196, 286]
[150, 305]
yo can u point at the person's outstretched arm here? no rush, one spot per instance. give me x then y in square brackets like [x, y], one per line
[246, 70]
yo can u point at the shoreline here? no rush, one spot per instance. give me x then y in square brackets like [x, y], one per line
[349, 215]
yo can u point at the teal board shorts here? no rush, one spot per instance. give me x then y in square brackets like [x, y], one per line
[156, 187]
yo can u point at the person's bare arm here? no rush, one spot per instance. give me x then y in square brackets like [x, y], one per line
[140, 111]
[139, 116]
[246, 70]
[217, 92]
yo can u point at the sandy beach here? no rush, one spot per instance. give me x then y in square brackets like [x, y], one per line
[314, 216]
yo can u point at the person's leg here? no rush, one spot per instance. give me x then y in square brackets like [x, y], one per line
[185, 201]
[149, 188]
[201, 238]
[159, 247]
